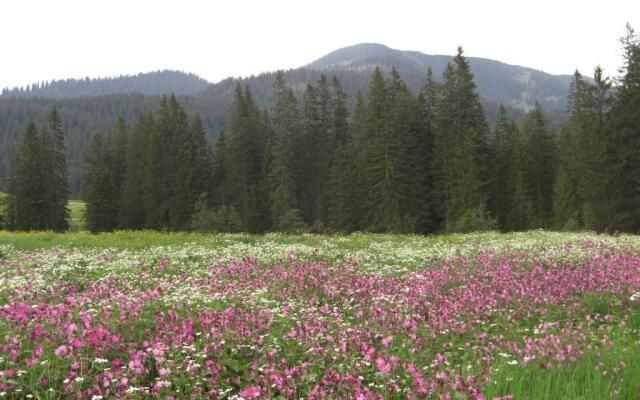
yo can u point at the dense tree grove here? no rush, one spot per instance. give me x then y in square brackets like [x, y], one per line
[394, 162]
[38, 187]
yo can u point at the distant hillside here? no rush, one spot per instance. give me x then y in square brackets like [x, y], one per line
[497, 82]
[151, 83]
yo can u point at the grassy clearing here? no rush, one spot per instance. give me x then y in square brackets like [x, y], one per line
[76, 208]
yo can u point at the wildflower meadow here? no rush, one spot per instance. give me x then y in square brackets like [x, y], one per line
[481, 316]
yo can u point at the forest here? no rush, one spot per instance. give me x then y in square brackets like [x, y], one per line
[394, 162]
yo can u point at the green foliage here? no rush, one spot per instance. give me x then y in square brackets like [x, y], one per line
[224, 220]
[282, 184]
[475, 220]
[540, 167]
[100, 190]
[239, 164]
[460, 144]
[38, 186]
[292, 222]
[398, 163]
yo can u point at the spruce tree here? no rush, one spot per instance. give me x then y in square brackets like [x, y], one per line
[57, 191]
[519, 214]
[624, 142]
[285, 213]
[426, 104]
[382, 152]
[100, 188]
[502, 171]
[27, 205]
[460, 146]
[541, 166]
[219, 173]
[135, 201]
[240, 160]
[339, 197]
[118, 143]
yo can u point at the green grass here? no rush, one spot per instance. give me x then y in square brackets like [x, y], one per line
[591, 377]
[77, 208]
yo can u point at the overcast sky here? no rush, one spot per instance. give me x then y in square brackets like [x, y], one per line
[44, 40]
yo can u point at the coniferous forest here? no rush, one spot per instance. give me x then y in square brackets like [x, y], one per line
[390, 161]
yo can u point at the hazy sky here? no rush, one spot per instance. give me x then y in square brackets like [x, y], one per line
[44, 40]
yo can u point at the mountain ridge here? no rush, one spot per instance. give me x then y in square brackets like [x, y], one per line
[149, 83]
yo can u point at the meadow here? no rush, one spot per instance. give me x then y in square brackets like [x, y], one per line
[534, 315]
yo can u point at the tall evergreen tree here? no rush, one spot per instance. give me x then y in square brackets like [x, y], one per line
[519, 215]
[100, 187]
[460, 145]
[541, 165]
[27, 204]
[624, 143]
[285, 213]
[219, 173]
[339, 196]
[426, 104]
[382, 152]
[502, 169]
[136, 201]
[240, 162]
[57, 192]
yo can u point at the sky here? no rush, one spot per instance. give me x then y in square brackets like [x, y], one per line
[45, 40]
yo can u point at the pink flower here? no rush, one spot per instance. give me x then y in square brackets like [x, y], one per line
[61, 351]
[387, 341]
[251, 392]
[383, 366]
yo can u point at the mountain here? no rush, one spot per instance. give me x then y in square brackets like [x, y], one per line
[150, 83]
[90, 106]
[512, 85]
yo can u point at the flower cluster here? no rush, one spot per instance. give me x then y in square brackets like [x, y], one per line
[191, 322]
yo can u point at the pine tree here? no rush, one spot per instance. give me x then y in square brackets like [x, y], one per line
[199, 153]
[339, 195]
[382, 150]
[100, 188]
[118, 143]
[358, 133]
[541, 166]
[135, 201]
[460, 145]
[242, 161]
[182, 159]
[519, 214]
[426, 104]
[162, 167]
[285, 212]
[27, 204]
[405, 123]
[219, 173]
[624, 143]
[502, 168]
[59, 185]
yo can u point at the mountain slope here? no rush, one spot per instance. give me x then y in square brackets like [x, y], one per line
[151, 83]
[499, 82]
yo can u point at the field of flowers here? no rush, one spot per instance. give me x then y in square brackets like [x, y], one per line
[533, 315]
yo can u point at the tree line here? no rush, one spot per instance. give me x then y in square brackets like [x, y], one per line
[394, 162]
